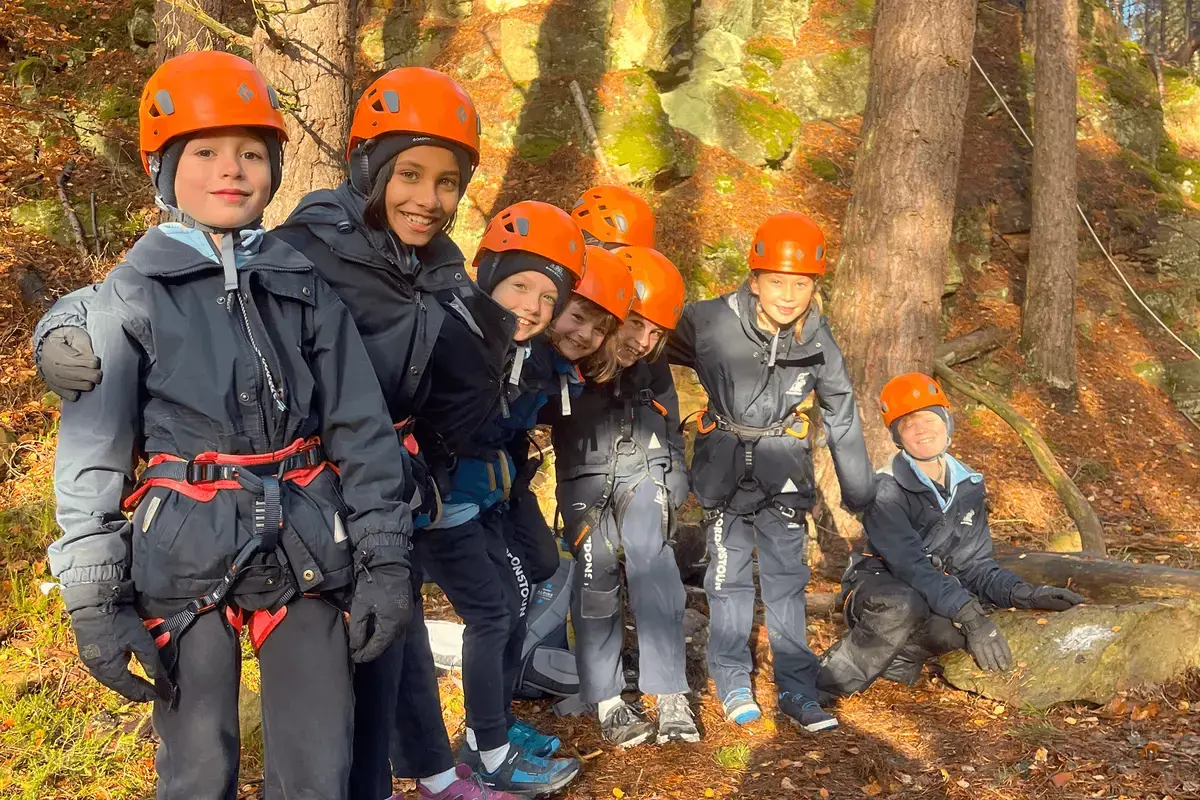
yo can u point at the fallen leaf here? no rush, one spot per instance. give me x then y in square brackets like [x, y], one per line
[1041, 755]
[968, 768]
[872, 789]
[815, 755]
[1043, 621]
[999, 709]
[852, 751]
[710, 793]
[788, 785]
[822, 771]
[1150, 750]
[1184, 705]
[824, 793]
[617, 793]
[1116, 629]
[905, 779]
[1071, 721]
[1148, 711]
[1062, 779]
[964, 784]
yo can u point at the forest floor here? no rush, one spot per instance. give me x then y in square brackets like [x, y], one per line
[1132, 452]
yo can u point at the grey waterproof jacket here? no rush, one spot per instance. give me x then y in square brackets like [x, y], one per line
[755, 380]
[185, 373]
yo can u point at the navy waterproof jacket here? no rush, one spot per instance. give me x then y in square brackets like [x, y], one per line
[940, 546]
[755, 379]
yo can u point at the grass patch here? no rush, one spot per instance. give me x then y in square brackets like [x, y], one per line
[735, 757]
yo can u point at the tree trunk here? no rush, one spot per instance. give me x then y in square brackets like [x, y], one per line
[895, 244]
[1102, 580]
[181, 32]
[306, 51]
[1146, 25]
[1048, 323]
[1029, 27]
[1162, 27]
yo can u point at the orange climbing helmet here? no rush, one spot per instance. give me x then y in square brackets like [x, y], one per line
[658, 286]
[789, 242]
[200, 91]
[910, 392]
[532, 236]
[614, 215]
[607, 282]
[415, 104]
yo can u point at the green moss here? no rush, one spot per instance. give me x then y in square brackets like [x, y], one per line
[634, 130]
[824, 169]
[723, 264]
[537, 148]
[772, 127]
[724, 184]
[757, 78]
[118, 103]
[771, 53]
[46, 218]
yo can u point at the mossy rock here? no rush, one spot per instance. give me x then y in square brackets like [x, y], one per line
[1152, 372]
[743, 123]
[831, 86]
[780, 18]
[1183, 384]
[546, 119]
[1088, 654]
[519, 49]
[768, 53]
[723, 265]
[47, 218]
[537, 148]
[634, 131]
[118, 103]
[579, 45]
[954, 275]
[825, 169]
[642, 34]
[1134, 115]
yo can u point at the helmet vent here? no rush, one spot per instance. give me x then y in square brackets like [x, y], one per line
[163, 104]
[391, 99]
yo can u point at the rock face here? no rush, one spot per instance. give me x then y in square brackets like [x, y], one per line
[1088, 654]
[739, 121]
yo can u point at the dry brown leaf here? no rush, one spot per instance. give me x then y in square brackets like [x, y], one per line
[1148, 711]
[1150, 750]
[788, 785]
[872, 789]
[822, 771]
[824, 793]
[1041, 755]
[1043, 621]
[1061, 779]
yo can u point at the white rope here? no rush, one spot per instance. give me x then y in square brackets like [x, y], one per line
[1087, 222]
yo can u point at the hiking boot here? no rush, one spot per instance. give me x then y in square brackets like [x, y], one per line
[740, 708]
[625, 726]
[529, 738]
[806, 713]
[523, 774]
[467, 786]
[903, 670]
[675, 720]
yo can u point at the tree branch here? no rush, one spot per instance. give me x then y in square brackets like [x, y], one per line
[1091, 534]
[217, 27]
[972, 345]
[69, 210]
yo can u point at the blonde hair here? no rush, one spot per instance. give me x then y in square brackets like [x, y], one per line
[816, 304]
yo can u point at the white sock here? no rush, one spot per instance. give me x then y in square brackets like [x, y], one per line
[492, 759]
[604, 707]
[471, 742]
[436, 784]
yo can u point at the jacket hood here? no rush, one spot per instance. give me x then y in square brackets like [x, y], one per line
[157, 255]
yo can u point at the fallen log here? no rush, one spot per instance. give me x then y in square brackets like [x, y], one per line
[1087, 654]
[1102, 580]
[1091, 534]
[972, 345]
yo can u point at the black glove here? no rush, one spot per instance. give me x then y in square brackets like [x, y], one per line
[677, 485]
[382, 603]
[985, 642]
[107, 630]
[1050, 598]
[68, 364]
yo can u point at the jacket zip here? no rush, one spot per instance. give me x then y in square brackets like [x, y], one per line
[262, 372]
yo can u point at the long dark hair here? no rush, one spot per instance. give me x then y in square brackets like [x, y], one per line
[375, 213]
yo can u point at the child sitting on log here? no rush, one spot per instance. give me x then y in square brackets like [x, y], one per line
[918, 590]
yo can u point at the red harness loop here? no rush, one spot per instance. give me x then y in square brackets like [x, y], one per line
[203, 490]
[404, 428]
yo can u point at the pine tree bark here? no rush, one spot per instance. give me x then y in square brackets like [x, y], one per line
[1146, 30]
[1048, 322]
[306, 51]
[180, 31]
[895, 243]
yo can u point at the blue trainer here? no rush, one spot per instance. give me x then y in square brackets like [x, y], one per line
[740, 708]
[542, 745]
[806, 713]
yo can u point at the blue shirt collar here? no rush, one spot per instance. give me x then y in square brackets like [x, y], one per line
[957, 473]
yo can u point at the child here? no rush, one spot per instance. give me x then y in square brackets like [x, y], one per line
[918, 593]
[236, 371]
[758, 352]
[379, 239]
[618, 457]
[529, 259]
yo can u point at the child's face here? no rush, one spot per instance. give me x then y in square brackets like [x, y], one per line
[224, 178]
[579, 330]
[422, 193]
[782, 296]
[923, 434]
[636, 339]
[531, 296]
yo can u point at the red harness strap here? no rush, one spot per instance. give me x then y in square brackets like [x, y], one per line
[203, 489]
[404, 428]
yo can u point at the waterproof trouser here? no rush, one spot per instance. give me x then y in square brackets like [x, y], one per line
[398, 712]
[473, 567]
[529, 537]
[892, 633]
[729, 583]
[632, 522]
[307, 708]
